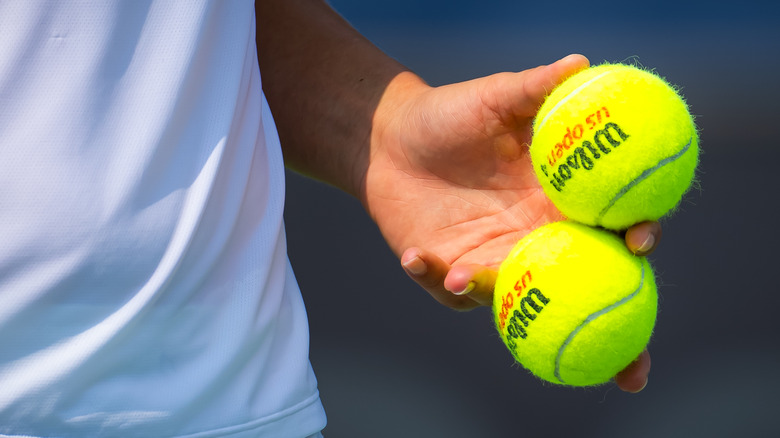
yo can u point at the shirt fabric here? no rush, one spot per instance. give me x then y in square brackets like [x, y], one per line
[145, 289]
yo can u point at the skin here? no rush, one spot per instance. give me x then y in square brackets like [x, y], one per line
[443, 171]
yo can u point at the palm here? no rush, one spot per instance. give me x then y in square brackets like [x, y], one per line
[454, 176]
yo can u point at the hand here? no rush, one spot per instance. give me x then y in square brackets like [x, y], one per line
[450, 183]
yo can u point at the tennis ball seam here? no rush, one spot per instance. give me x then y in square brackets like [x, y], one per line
[644, 175]
[592, 317]
[591, 114]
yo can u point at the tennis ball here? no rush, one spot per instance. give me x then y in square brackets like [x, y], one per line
[573, 305]
[614, 145]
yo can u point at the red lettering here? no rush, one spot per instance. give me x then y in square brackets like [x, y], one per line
[591, 123]
[567, 136]
[521, 284]
[506, 305]
[575, 132]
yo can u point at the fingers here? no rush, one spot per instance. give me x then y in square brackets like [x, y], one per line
[643, 238]
[474, 281]
[462, 287]
[465, 287]
[634, 377]
[516, 97]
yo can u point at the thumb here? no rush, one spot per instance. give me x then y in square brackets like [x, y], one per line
[540, 81]
[518, 96]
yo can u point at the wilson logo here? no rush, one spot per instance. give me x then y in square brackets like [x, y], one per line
[584, 157]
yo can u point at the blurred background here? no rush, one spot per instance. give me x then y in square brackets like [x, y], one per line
[391, 362]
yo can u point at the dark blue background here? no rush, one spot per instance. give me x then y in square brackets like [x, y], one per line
[393, 363]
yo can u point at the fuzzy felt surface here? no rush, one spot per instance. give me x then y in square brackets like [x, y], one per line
[615, 145]
[573, 305]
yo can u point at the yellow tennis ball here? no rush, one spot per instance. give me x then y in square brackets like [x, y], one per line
[614, 145]
[573, 305]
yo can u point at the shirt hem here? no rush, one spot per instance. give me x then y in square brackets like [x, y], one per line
[302, 420]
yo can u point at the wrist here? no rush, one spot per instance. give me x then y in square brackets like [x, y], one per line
[390, 119]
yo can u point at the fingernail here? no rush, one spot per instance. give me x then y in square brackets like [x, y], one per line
[469, 287]
[416, 266]
[647, 245]
[643, 387]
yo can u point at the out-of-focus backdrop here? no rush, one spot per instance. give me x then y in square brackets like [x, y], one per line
[391, 362]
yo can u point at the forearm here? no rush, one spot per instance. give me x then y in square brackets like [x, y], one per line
[323, 81]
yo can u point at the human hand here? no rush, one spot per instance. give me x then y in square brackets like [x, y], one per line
[450, 183]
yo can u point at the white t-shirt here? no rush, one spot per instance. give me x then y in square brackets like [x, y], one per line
[145, 289]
